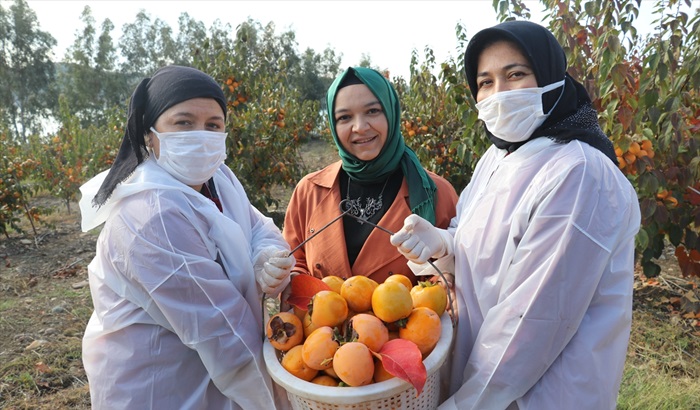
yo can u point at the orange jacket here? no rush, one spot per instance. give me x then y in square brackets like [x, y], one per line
[314, 203]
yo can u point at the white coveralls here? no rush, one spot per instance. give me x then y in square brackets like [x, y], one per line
[171, 328]
[544, 259]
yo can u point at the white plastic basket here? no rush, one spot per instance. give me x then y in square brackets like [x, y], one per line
[390, 394]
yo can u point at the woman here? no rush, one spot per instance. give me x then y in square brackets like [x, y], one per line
[379, 178]
[543, 238]
[181, 262]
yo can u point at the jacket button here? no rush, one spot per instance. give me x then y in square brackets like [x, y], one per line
[311, 230]
[318, 266]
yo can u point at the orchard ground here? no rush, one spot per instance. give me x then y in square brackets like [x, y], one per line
[45, 303]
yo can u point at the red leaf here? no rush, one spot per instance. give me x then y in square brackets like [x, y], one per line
[402, 359]
[304, 287]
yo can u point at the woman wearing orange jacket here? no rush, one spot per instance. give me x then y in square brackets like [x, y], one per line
[379, 179]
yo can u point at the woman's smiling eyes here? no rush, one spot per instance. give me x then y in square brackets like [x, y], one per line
[372, 111]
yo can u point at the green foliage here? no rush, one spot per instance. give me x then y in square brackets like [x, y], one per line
[267, 116]
[146, 46]
[647, 93]
[646, 90]
[75, 154]
[26, 71]
[274, 98]
[88, 82]
[15, 164]
[439, 120]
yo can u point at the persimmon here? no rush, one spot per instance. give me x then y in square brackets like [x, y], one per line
[325, 380]
[334, 282]
[422, 328]
[284, 330]
[357, 292]
[634, 148]
[369, 330]
[403, 279]
[308, 325]
[295, 365]
[300, 313]
[391, 301]
[328, 308]
[329, 371]
[621, 163]
[354, 364]
[380, 373]
[318, 349]
[430, 295]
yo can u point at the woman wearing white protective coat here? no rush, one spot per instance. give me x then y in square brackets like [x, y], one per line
[543, 240]
[181, 262]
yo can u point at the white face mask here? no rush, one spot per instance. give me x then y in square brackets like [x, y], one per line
[192, 157]
[514, 115]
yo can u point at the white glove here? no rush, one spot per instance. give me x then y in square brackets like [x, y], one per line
[419, 240]
[272, 269]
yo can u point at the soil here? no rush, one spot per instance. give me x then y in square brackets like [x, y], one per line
[45, 303]
[44, 306]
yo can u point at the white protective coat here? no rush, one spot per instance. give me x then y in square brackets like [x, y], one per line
[171, 328]
[544, 258]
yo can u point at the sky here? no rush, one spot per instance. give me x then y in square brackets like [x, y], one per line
[386, 31]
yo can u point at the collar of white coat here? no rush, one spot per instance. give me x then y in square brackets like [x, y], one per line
[527, 150]
[148, 175]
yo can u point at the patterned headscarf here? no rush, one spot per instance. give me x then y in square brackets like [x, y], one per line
[168, 86]
[395, 153]
[573, 117]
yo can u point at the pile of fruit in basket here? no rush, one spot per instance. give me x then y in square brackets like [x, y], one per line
[353, 332]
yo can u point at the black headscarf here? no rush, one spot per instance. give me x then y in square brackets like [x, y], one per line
[573, 117]
[168, 86]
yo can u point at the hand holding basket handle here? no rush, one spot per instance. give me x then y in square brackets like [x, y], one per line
[420, 241]
[272, 270]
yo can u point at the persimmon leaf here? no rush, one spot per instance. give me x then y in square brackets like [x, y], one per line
[402, 359]
[304, 287]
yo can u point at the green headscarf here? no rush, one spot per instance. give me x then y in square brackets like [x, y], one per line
[395, 153]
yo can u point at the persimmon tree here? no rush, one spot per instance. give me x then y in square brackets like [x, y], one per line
[75, 154]
[15, 194]
[646, 89]
[438, 120]
[268, 119]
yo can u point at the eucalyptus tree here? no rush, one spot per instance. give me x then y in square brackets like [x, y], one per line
[88, 81]
[27, 95]
[191, 35]
[145, 46]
